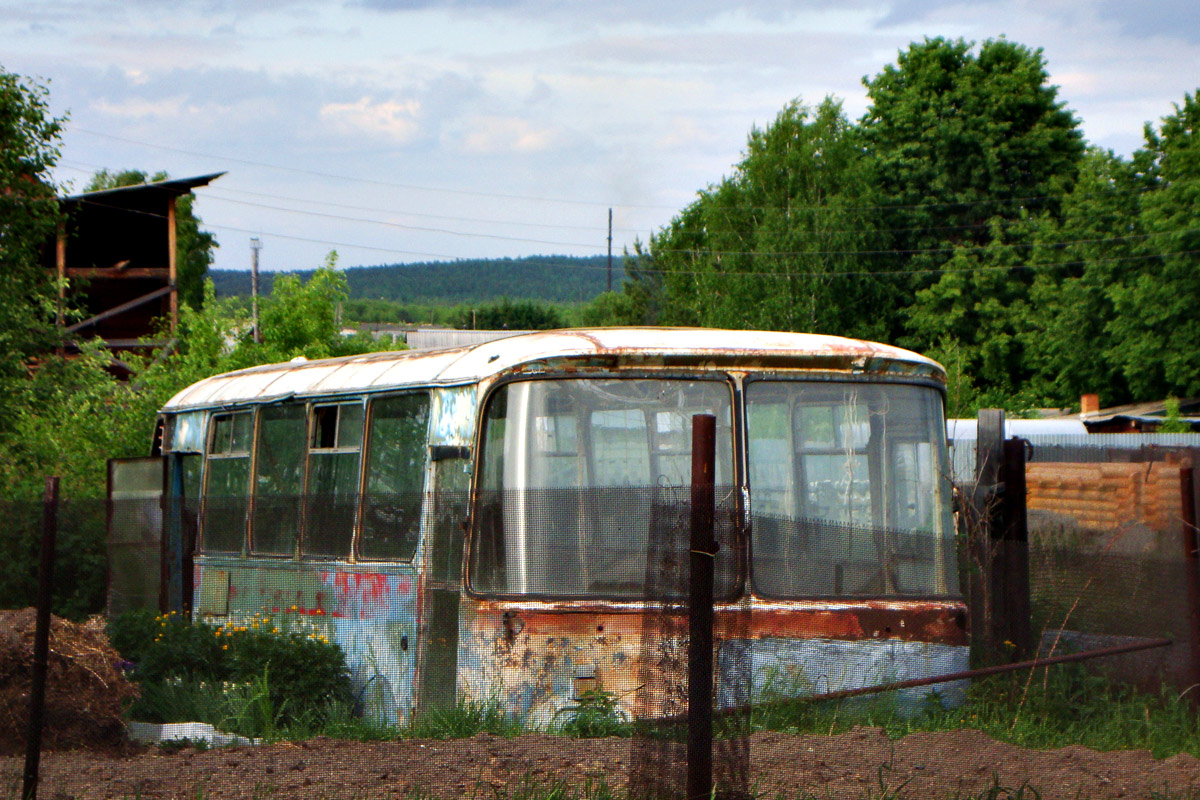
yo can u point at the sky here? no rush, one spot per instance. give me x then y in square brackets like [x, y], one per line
[397, 131]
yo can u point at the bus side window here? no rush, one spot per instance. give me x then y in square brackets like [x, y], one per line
[331, 496]
[227, 482]
[395, 477]
[278, 477]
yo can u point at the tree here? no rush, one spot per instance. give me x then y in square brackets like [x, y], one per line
[193, 247]
[522, 315]
[972, 152]
[1095, 244]
[29, 216]
[1155, 328]
[960, 139]
[780, 244]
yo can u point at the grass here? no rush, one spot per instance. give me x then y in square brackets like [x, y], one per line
[1065, 705]
[1045, 709]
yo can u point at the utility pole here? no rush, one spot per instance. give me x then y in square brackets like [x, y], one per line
[255, 246]
[610, 249]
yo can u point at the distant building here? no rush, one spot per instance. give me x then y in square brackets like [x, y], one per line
[1135, 417]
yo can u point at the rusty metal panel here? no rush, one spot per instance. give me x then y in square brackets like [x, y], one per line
[533, 657]
[368, 610]
[453, 416]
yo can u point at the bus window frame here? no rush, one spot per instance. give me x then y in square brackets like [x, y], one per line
[869, 379]
[730, 378]
[364, 459]
[310, 427]
[209, 432]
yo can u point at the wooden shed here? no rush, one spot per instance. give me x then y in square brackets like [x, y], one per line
[117, 251]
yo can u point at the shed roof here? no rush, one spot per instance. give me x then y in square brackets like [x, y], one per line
[175, 186]
[372, 372]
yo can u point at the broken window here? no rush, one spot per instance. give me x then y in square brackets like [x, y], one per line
[331, 498]
[278, 480]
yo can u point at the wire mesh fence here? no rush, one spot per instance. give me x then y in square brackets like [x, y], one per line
[338, 648]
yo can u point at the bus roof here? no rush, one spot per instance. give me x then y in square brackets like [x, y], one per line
[536, 352]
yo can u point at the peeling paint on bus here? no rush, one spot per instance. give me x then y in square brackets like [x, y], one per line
[534, 660]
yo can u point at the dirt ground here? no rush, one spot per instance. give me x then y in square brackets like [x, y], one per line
[859, 764]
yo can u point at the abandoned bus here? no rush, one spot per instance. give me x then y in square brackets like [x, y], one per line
[488, 523]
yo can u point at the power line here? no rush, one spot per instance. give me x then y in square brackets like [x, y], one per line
[709, 252]
[1015, 201]
[215, 193]
[371, 181]
[420, 228]
[209, 193]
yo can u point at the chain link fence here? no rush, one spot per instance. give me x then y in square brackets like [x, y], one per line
[567, 675]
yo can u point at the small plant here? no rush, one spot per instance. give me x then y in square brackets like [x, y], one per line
[596, 714]
[465, 719]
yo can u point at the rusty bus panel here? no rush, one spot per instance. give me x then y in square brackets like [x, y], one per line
[370, 611]
[537, 660]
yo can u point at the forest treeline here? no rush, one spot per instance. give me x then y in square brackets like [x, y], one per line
[551, 279]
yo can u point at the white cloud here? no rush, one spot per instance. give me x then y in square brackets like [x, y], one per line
[390, 119]
[140, 108]
[491, 135]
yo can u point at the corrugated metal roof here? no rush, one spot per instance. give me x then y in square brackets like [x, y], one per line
[1050, 443]
[382, 371]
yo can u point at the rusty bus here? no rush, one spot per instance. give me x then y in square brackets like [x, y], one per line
[471, 525]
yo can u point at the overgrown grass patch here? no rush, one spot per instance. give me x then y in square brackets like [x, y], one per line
[1040, 709]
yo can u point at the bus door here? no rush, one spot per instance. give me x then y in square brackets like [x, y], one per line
[437, 666]
[136, 557]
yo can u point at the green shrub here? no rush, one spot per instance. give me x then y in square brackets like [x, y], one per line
[256, 674]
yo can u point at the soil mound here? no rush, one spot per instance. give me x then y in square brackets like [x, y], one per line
[85, 687]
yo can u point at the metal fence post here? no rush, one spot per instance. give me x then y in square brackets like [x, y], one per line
[41, 641]
[700, 609]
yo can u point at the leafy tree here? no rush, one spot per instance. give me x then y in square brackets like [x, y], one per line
[972, 151]
[521, 315]
[1096, 243]
[1155, 328]
[29, 215]
[609, 309]
[193, 247]
[780, 243]
[960, 139]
